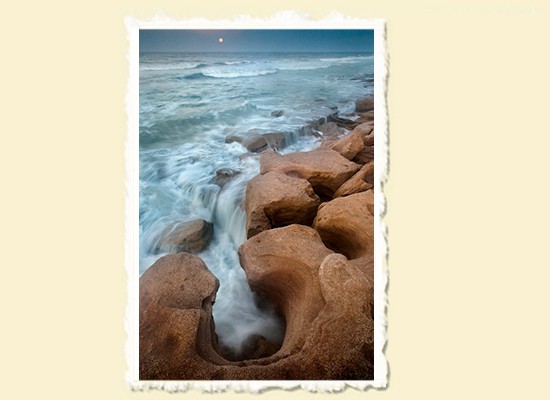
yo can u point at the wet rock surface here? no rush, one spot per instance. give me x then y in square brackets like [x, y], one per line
[191, 236]
[324, 298]
[319, 278]
[258, 142]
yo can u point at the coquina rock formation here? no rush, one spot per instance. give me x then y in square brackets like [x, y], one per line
[275, 199]
[326, 302]
[192, 236]
[324, 169]
[310, 252]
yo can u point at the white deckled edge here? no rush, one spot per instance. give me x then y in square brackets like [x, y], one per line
[281, 20]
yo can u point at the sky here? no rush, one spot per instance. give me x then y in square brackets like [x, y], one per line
[256, 40]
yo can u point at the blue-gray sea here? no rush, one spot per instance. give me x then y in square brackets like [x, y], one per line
[188, 104]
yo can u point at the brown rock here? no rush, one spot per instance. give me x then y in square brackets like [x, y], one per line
[175, 318]
[366, 266]
[257, 346]
[364, 105]
[365, 156]
[346, 225]
[330, 129]
[369, 197]
[325, 169]
[350, 145]
[257, 143]
[360, 182]
[368, 140]
[326, 301]
[282, 265]
[191, 237]
[366, 130]
[342, 339]
[275, 200]
[366, 117]
[340, 121]
[223, 176]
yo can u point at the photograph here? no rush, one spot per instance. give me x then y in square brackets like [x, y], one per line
[257, 205]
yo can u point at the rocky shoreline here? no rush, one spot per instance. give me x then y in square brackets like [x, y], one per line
[310, 252]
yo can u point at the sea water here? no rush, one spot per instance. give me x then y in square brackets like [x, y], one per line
[188, 104]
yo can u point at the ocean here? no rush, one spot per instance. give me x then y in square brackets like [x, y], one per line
[188, 104]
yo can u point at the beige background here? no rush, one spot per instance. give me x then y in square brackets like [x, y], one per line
[468, 195]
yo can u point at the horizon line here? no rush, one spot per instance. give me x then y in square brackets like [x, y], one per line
[228, 51]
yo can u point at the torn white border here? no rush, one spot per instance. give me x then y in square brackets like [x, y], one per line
[281, 20]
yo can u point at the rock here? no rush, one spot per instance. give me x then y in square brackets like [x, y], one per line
[257, 346]
[341, 122]
[368, 140]
[342, 348]
[350, 145]
[330, 129]
[191, 237]
[346, 224]
[366, 130]
[369, 197]
[326, 301]
[254, 347]
[365, 156]
[364, 105]
[275, 200]
[366, 266]
[277, 113]
[223, 176]
[259, 142]
[176, 330]
[325, 169]
[366, 117]
[360, 182]
[282, 265]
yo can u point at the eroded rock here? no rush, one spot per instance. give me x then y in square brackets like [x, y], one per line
[175, 318]
[350, 145]
[360, 182]
[364, 105]
[192, 237]
[330, 129]
[325, 169]
[346, 225]
[223, 176]
[324, 298]
[365, 156]
[282, 265]
[256, 142]
[275, 200]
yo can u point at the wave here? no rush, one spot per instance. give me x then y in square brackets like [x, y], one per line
[196, 75]
[235, 62]
[171, 66]
[346, 59]
[239, 74]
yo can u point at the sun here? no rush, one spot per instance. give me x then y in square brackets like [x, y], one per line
[220, 40]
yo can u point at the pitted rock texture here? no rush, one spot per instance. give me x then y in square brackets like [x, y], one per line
[360, 182]
[346, 224]
[324, 297]
[350, 145]
[325, 169]
[274, 200]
